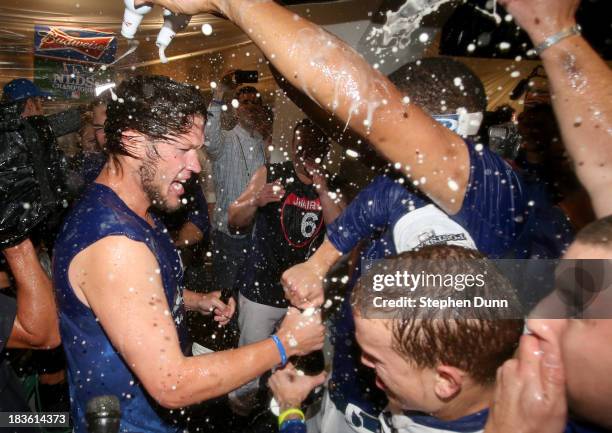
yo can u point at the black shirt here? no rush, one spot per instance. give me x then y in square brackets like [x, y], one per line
[286, 233]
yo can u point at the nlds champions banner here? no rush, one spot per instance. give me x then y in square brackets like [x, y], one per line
[68, 61]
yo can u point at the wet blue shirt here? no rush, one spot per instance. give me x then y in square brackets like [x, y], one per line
[502, 217]
[95, 367]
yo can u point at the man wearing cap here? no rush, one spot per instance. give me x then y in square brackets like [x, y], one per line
[27, 94]
[32, 201]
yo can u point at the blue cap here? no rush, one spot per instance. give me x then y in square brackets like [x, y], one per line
[22, 88]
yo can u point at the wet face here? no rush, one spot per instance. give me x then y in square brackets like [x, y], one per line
[586, 349]
[33, 107]
[99, 117]
[406, 386]
[169, 164]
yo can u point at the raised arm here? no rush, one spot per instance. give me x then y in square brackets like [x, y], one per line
[36, 324]
[340, 80]
[581, 85]
[213, 133]
[119, 281]
[377, 206]
[257, 194]
[331, 204]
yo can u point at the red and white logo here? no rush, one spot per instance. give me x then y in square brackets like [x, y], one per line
[301, 220]
[57, 39]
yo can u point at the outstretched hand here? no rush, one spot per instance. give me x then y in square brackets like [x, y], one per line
[290, 388]
[530, 390]
[303, 285]
[212, 303]
[542, 18]
[188, 7]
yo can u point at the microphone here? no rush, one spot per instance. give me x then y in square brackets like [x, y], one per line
[103, 414]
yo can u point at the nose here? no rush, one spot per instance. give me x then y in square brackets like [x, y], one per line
[546, 329]
[193, 162]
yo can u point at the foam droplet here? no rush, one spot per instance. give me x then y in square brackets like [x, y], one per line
[207, 29]
[352, 153]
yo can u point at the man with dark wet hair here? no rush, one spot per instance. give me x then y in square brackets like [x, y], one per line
[119, 279]
[441, 85]
[437, 366]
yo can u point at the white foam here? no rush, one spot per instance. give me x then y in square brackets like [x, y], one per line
[207, 29]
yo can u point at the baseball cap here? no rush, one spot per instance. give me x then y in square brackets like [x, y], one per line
[22, 88]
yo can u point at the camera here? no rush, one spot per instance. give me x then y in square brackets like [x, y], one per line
[505, 139]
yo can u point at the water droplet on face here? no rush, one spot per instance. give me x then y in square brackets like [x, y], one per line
[453, 185]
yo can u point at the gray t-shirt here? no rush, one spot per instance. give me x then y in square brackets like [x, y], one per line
[235, 156]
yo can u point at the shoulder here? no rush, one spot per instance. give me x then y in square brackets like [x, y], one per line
[100, 213]
[113, 258]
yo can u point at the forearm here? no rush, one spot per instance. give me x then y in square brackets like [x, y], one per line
[242, 212]
[332, 207]
[341, 81]
[325, 257]
[191, 299]
[313, 60]
[36, 308]
[201, 378]
[581, 83]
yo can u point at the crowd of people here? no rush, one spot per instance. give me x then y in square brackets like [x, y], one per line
[126, 222]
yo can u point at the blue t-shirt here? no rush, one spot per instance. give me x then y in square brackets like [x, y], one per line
[95, 366]
[497, 217]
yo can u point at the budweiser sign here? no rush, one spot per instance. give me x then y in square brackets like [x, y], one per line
[80, 44]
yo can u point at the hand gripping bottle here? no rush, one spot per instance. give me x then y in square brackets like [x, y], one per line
[173, 23]
[132, 18]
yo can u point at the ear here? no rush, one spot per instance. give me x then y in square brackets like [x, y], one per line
[28, 108]
[448, 382]
[135, 142]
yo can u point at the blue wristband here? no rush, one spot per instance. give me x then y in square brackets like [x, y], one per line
[281, 350]
[292, 425]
